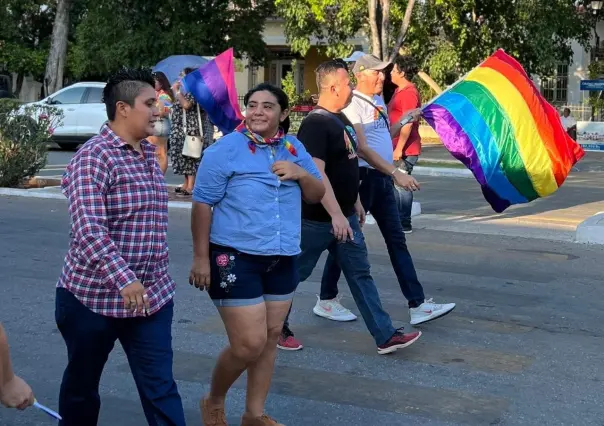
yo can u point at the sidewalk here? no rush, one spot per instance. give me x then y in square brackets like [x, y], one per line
[437, 153]
[457, 204]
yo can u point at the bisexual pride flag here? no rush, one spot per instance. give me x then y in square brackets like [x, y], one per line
[213, 87]
[495, 121]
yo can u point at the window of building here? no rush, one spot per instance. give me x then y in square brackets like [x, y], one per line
[555, 88]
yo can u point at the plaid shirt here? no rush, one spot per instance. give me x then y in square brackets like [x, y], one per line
[118, 203]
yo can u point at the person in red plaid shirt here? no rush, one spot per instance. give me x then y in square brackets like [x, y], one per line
[115, 283]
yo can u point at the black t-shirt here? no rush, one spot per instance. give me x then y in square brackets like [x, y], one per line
[326, 140]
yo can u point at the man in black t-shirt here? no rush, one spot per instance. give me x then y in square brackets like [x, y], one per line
[334, 224]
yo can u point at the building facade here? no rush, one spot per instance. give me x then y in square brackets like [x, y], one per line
[281, 61]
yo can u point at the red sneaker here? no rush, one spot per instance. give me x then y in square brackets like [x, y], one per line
[288, 342]
[398, 340]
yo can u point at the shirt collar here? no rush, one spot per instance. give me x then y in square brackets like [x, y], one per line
[114, 140]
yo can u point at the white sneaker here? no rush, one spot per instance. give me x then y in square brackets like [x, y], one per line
[333, 310]
[429, 311]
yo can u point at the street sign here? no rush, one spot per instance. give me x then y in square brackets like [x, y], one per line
[592, 85]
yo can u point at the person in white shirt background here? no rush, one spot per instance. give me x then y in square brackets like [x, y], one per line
[569, 123]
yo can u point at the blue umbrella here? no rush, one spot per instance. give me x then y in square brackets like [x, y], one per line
[173, 65]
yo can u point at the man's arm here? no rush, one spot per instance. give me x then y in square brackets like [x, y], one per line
[14, 392]
[329, 199]
[405, 181]
[341, 228]
[402, 141]
[369, 155]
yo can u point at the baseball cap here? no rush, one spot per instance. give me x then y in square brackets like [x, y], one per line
[355, 56]
[369, 62]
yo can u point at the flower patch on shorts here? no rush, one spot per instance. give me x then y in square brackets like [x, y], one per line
[226, 263]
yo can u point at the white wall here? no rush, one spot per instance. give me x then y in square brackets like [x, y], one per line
[577, 71]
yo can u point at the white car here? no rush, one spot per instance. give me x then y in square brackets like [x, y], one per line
[83, 112]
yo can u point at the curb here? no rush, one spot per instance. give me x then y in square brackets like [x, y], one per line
[442, 171]
[32, 193]
[591, 230]
[45, 193]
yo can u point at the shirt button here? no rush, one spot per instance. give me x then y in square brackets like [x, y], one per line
[277, 216]
[276, 198]
[278, 232]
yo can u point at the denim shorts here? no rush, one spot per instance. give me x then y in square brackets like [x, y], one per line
[241, 279]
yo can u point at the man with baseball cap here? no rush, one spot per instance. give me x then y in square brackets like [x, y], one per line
[369, 115]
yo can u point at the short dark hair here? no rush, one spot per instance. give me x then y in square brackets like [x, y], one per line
[408, 65]
[328, 68]
[124, 86]
[278, 93]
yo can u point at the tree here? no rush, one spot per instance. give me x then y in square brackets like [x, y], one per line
[55, 65]
[537, 32]
[116, 33]
[448, 37]
[334, 22]
[24, 34]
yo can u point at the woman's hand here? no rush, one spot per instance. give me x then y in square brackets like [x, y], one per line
[200, 273]
[286, 170]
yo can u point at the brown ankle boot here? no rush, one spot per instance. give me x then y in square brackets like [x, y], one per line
[212, 415]
[263, 420]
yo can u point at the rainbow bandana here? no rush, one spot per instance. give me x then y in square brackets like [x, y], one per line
[256, 140]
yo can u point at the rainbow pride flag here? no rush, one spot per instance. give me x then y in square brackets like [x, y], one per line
[213, 87]
[498, 125]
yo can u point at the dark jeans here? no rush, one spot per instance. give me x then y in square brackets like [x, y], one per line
[377, 197]
[352, 255]
[404, 199]
[90, 338]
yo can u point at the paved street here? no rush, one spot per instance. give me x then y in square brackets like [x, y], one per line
[58, 159]
[524, 346]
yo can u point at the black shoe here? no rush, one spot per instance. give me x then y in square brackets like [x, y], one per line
[407, 229]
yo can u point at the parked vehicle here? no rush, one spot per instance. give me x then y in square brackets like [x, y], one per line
[5, 87]
[83, 112]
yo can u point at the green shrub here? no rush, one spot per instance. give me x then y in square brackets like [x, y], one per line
[24, 135]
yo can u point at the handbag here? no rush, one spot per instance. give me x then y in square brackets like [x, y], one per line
[193, 145]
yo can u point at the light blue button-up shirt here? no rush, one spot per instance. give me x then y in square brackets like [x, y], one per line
[254, 212]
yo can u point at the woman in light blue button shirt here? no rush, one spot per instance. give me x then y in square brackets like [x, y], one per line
[246, 222]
